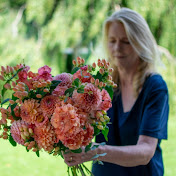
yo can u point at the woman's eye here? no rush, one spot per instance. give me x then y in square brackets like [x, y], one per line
[126, 42]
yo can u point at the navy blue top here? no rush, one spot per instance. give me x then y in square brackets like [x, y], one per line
[148, 116]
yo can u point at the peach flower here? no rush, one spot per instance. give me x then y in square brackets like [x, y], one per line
[30, 110]
[90, 99]
[45, 136]
[48, 105]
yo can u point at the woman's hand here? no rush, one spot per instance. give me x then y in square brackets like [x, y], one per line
[72, 159]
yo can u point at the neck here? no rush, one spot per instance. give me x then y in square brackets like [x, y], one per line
[126, 76]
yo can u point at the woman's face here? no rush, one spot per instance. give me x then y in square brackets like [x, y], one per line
[119, 47]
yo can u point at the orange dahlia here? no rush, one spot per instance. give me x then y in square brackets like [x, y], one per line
[65, 121]
[48, 105]
[15, 131]
[90, 99]
[45, 136]
[30, 110]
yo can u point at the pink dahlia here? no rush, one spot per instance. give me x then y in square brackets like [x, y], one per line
[66, 79]
[44, 73]
[83, 76]
[45, 136]
[59, 90]
[48, 105]
[30, 110]
[15, 131]
[90, 99]
[106, 100]
[65, 121]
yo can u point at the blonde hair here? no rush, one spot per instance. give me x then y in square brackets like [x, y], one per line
[140, 38]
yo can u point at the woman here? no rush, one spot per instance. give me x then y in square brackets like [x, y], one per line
[140, 108]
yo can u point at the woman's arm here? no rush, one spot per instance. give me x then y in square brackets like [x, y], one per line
[129, 156]
[132, 155]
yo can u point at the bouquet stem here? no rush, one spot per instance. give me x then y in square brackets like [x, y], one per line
[81, 168]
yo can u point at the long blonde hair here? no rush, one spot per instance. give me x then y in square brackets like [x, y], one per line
[140, 38]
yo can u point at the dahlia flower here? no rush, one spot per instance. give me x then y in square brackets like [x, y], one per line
[15, 131]
[90, 99]
[45, 136]
[65, 121]
[48, 105]
[106, 100]
[59, 90]
[66, 79]
[30, 110]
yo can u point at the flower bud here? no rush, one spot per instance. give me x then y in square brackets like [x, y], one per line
[100, 127]
[39, 96]
[111, 70]
[23, 136]
[94, 65]
[45, 90]
[101, 71]
[2, 78]
[26, 134]
[101, 84]
[3, 69]
[7, 86]
[82, 61]
[30, 130]
[74, 62]
[96, 82]
[92, 80]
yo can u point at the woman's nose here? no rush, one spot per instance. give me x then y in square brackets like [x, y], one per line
[117, 46]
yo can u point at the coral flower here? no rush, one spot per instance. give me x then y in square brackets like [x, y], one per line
[66, 79]
[88, 136]
[48, 105]
[83, 76]
[30, 110]
[15, 131]
[45, 136]
[106, 100]
[90, 99]
[66, 122]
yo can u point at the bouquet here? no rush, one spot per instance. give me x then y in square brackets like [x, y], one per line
[56, 113]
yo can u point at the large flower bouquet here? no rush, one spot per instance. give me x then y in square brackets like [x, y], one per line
[56, 113]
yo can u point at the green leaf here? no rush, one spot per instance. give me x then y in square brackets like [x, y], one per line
[98, 76]
[102, 154]
[88, 147]
[110, 91]
[95, 156]
[77, 151]
[76, 82]
[6, 100]
[94, 147]
[80, 90]
[12, 112]
[105, 132]
[70, 91]
[100, 162]
[37, 153]
[75, 69]
[11, 140]
[54, 84]
[27, 149]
